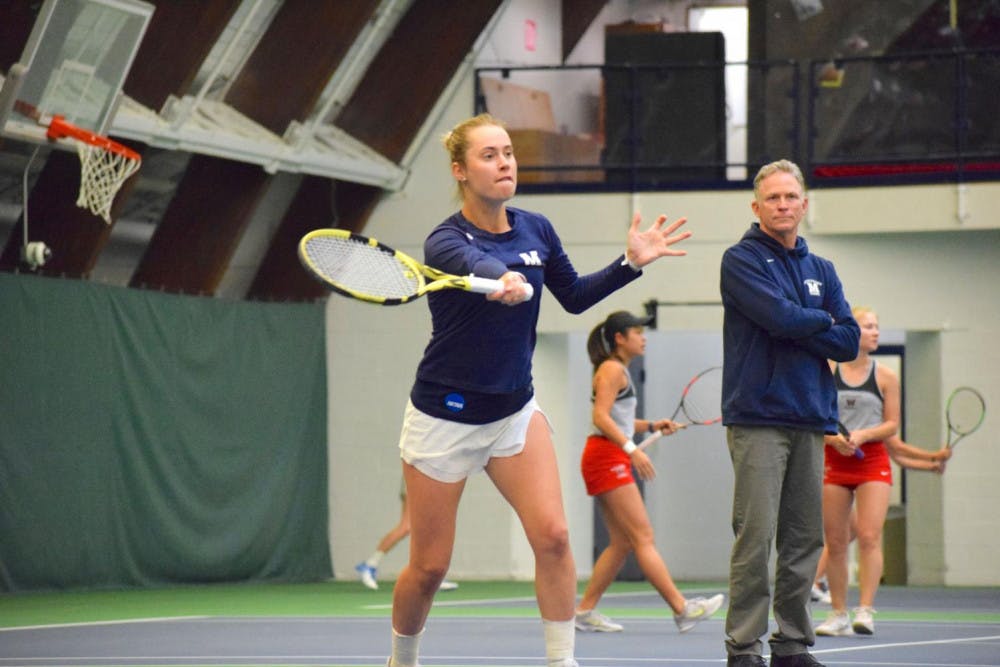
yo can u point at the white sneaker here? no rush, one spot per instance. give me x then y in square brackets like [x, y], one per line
[820, 593]
[837, 624]
[863, 623]
[594, 621]
[367, 575]
[447, 585]
[697, 610]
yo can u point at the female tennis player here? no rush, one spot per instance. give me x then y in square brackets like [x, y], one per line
[607, 462]
[906, 456]
[472, 406]
[868, 405]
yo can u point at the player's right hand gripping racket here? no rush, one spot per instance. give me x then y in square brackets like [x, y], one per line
[701, 402]
[965, 412]
[362, 268]
[858, 454]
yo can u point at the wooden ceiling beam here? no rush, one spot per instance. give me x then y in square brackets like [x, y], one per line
[412, 70]
[577, 15]
[281, 81]
[387, 110]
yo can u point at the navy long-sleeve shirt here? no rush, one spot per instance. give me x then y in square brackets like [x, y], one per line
[477, 366]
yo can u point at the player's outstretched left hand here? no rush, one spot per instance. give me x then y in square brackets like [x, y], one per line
[646, 247]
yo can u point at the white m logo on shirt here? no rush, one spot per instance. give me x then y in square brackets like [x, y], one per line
[530, 258]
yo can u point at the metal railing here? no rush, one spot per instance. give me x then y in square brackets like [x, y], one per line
[910, 116]
[710, 125]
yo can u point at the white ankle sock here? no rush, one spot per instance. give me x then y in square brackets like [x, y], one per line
[560, 639]
[405, 649]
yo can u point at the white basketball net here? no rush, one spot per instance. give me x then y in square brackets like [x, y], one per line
[102, 173]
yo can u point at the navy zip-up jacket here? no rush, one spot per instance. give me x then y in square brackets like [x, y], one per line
[785, 315]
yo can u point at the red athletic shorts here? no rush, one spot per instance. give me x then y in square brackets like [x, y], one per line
[605, 466]
[851, 472]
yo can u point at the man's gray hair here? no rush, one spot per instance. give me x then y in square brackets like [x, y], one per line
[786, 166]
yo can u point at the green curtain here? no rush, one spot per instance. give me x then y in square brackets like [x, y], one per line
[150, 439]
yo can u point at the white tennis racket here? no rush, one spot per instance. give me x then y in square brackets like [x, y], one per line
[362, 268]
[701, 402]
[965, 412]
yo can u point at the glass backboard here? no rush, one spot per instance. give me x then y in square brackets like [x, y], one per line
[74, 64]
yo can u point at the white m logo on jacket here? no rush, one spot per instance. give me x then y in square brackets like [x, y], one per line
[530, 258]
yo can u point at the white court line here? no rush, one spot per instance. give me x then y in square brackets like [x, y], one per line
[926, 642]
[215, 660]
[291, 660]
[460, 603]
[486, 601]
[85, 624]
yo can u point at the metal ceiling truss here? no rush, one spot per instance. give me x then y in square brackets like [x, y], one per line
[199, 124]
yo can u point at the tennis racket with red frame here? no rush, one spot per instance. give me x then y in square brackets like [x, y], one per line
[700, 403]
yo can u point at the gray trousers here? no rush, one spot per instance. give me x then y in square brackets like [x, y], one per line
[778, 497]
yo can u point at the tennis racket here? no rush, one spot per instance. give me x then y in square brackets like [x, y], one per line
[965, 412]
[701, 402]
[362, 268]
[858, 454]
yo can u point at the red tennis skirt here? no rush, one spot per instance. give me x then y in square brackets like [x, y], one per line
[852, 472]
[605, 466]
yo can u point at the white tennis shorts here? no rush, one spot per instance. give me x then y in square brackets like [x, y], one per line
[450, 451]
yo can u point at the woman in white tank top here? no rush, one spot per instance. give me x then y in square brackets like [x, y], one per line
[606, 465]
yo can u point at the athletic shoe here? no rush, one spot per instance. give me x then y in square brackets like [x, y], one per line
[367, 575]
[837, 624]
[820, 593]
[745, 660]
[594, 621]
[863, 623]
[795, 660]
[447, 585]
[697, 610]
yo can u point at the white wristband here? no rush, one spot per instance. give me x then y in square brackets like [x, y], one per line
[629, 447]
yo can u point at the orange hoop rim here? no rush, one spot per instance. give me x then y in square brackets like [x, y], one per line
[59, 127]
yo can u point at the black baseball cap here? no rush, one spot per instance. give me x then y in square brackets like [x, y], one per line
[620, 321]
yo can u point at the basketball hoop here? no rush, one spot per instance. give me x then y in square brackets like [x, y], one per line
[104, 166]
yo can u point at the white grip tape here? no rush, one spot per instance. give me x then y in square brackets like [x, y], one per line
[489, 285]
[650, 439]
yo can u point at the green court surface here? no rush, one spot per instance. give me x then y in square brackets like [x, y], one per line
[333, 598]
[350, 599]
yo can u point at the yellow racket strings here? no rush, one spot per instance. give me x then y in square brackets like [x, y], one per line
[358, 267]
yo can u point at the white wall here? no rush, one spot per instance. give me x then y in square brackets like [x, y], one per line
[690, 501]
[926, 258]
